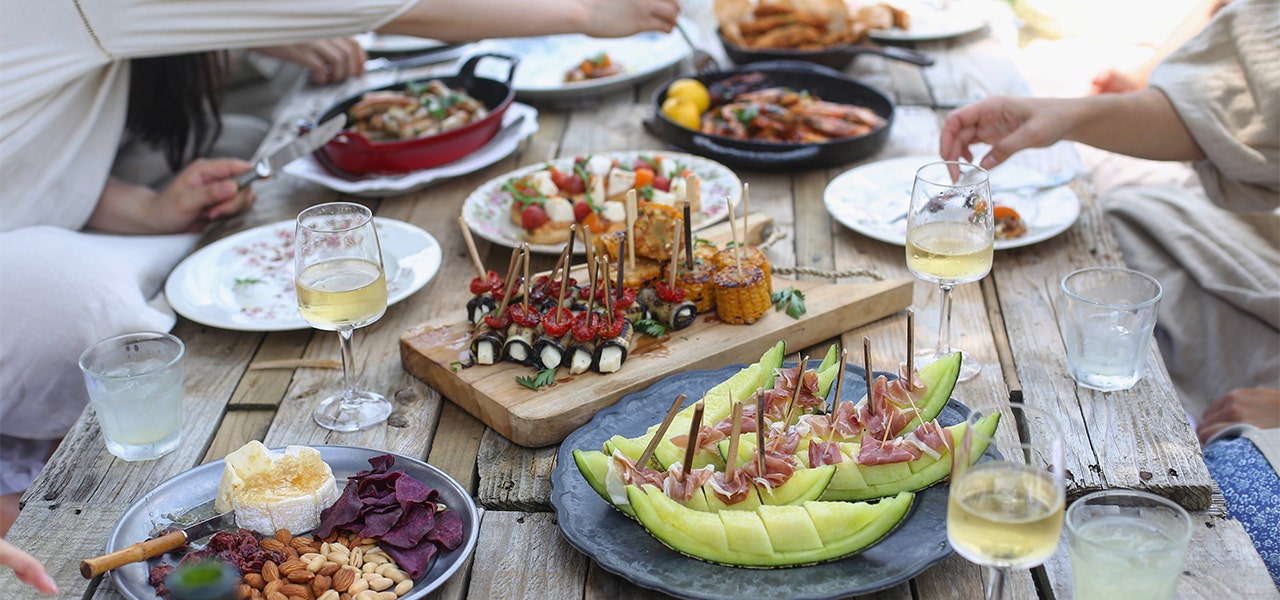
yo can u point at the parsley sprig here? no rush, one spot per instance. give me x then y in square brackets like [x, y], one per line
[651, 327]
[790, 300]
[543, 379]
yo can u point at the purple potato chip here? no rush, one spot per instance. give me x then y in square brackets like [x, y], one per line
[413, 561]
[448, 529]
[414, 525]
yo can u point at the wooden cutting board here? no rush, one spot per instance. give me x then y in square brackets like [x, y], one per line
[434, 353]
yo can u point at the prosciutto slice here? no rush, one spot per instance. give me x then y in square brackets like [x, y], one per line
[711, 435]
[731, 492]
[875, 452]
[931, 438]
[824, 453]
[844, 424]
[778, 468]
[681, 487]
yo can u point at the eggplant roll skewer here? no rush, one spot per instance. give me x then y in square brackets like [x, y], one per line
[486, 344]
[611, 353]
[675, 315]
[518, 346]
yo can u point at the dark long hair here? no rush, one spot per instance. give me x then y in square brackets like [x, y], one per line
[174, 103]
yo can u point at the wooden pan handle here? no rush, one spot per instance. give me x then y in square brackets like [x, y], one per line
[92, 567]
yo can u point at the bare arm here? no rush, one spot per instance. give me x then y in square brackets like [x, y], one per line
[477, 19]
[1114, 80]
[1142, 124]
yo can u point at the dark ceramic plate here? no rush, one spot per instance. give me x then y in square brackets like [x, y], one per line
[622, 546]
[194, 490]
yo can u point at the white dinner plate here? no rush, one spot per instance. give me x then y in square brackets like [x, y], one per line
[868, 198]
[544, 61]
[380, 186]
[929, 21]
[488, 209]
[377, 43]
[244, 282]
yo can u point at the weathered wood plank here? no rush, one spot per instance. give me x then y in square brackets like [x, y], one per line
[456, 445]
[238, 428]
[525, 557]
[60, 534]
[955, 578]
[1221, 563]
[264, 388]
[513, 477]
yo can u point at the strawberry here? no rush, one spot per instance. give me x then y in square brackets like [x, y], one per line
[533, 217]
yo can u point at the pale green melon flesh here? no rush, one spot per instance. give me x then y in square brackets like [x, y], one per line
[771, 536]
[804, 485]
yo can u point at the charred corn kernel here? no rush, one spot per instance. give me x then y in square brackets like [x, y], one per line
[741, 297]
[750, 256]
[698, 287]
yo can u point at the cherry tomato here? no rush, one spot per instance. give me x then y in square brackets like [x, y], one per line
[533, 217]
[580, 211]
[667, 293]
[662, 183]
[498, 322]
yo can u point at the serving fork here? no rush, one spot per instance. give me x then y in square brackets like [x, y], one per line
[703, 62]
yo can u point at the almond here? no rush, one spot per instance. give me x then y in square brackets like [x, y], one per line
[329, 569]
[272, 544]
[244, 592]
[301, 576]
[270, 572]
[292, 566]
[321, 584]
[284, 536]
[343, 578]
[254, 580]
[273, 587]
[304, 545]
[277, 596]
[293, 589]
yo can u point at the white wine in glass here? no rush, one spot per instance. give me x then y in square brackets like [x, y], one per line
[950, 239]
[1006, 513]
[341, 285]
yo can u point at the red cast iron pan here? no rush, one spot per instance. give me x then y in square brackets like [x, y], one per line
[836, 57]
[352, 152]
[828, 84]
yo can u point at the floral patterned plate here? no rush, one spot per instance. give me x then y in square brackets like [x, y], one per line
[488, 209]
[244, 282]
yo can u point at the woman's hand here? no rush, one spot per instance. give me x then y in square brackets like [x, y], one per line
[329, 61]
[1259, 407]
[27, 568]
[1007, 124]
[203, 191]
[617, 18]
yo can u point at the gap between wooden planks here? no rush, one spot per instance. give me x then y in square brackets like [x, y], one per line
[434, 352]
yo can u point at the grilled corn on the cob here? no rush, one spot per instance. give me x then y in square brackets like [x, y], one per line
[698, 287]
[741, 295]
[752, 256]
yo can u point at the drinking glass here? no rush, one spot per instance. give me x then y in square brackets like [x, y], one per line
[1006, 513]
[1126, 544]
[950, 239]
[341, 286]
[135, 385]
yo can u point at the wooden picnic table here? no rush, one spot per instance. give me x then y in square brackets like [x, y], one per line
[1133, 439]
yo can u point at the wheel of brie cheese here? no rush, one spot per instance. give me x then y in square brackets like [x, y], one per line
[270, 490]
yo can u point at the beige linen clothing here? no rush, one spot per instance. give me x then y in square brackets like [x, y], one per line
[64, 81]
[1216, 251]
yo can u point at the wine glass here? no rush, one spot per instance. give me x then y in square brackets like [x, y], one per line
[1006, 513]
[950, 239]
[341, 286]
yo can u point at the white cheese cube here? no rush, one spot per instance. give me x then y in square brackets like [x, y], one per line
[599, 165]
[661, 197]
[541, 181]
[678, 189]
[559, 209]
[596, 187]
[619, 182]
[614, 211]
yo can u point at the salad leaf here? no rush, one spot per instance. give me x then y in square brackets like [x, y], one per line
[544, 378]
[790, 300]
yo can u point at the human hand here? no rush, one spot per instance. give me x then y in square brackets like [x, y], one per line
[27, 568]
[329, 61]
[619, 18]
[203, 191]
[1007, 124]
[1259, 407]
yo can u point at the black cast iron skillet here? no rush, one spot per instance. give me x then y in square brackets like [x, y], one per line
[827, 84]
[836, 57]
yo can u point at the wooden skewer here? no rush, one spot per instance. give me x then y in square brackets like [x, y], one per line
[621, 270]
[603, 266]
[866, 364]
[471, 248]
[631, 228]
[795, 394]
[525, 252]
[731, 461]
[733, 231]
[688, 239]
[675, 261]
[511, 272]
[662, 430]
[835, 398]
[760, 429]
[911, 351]
[565, 253]
[746, 209]
[695, 432]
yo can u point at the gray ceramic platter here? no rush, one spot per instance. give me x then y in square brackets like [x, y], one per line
[190, 493]
[622, 546]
